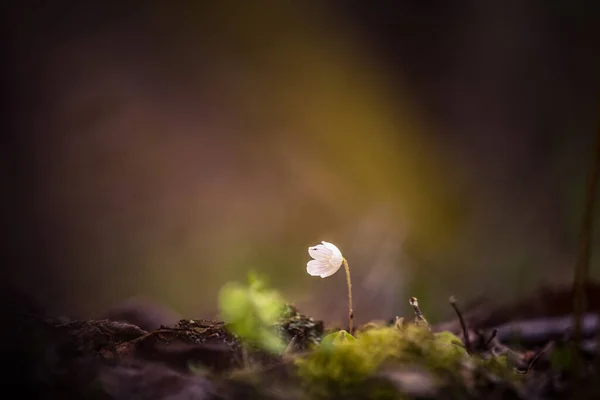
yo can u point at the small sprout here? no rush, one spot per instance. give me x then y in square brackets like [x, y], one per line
[251, 313]
[398, 322]
[337, 337]
[327, 260]
[419, 318]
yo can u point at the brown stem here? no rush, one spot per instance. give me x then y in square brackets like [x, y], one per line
[350, 309]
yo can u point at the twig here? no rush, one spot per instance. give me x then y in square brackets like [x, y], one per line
[536, 357]
[492, 336]
[462, 325]
[419, 318]
[583, 260]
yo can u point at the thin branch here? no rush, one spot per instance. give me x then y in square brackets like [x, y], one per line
[536, 357]
[462, 325]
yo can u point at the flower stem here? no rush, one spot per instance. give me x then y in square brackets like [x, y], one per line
[350, 310]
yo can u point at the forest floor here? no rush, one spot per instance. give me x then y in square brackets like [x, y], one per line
[523, 350]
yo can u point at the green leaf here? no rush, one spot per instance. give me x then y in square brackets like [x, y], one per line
[252, 311]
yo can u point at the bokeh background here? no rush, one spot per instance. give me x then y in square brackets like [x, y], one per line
[157, 150]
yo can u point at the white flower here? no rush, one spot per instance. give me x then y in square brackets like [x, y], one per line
[327, 260]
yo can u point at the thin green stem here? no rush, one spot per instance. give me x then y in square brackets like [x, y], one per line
[350, 309]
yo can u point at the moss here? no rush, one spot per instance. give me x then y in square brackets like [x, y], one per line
[345, 367]
[500, 367]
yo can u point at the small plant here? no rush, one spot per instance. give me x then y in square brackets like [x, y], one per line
[336, 337]
[327, 260]
[252, 311]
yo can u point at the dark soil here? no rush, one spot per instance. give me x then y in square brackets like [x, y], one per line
[56, 358]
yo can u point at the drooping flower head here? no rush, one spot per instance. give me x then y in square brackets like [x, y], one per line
[327, 260]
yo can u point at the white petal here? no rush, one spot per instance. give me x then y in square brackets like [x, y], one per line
[320, 252]
[336, 260]
[332, 269]
[335, 252]
[319, 268]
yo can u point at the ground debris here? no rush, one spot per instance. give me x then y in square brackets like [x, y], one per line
[301, 330]
[86, 338]
[200, 359]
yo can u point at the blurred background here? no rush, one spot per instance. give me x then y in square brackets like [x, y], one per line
[157, 150]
